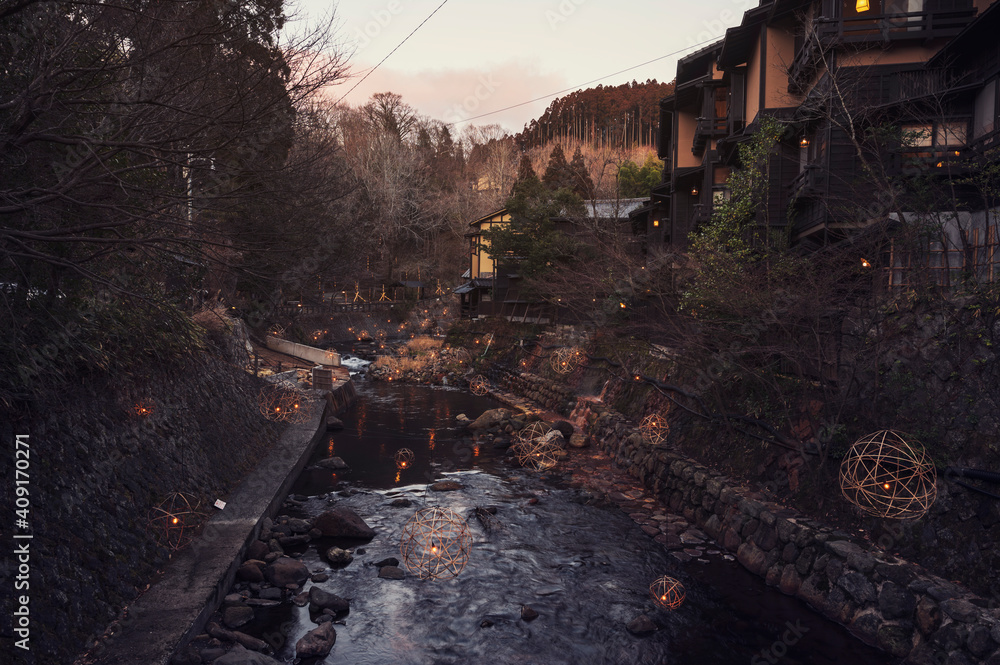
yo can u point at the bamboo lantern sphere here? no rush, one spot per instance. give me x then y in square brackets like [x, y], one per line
[404, 458]
[280, 405]
[538, 454]
[435, 543]
[143, 408]
[887, 476]
[531, 431]
[479, 385]
[173, 521]
[565, 360]
[667, 592]
[654, 428]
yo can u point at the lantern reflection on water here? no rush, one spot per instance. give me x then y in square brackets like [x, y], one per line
[435, 543]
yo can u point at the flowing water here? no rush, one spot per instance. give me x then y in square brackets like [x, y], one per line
[581, 563]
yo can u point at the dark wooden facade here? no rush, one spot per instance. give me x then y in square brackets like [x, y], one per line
[928, 67]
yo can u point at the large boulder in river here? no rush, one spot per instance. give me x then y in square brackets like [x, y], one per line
[342, 523]
[317, 642]
[320, 600]
[489, 419]
[285, 571]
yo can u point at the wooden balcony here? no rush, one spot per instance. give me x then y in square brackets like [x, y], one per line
[706, 129]
[878, 28]
[810, 183]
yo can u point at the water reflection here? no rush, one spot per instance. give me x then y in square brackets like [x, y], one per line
[584, 567]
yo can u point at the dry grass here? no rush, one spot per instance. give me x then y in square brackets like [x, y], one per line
[214, 319]
[420, 345]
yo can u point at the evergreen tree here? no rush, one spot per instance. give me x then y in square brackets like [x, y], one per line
[558, 174]
[525, 171]
[582, 183]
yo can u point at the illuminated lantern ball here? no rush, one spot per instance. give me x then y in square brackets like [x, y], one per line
[539, 454]
[404, 458]
[654, 428]
[143, 408]
[532, 431]
[435, 544]
[667, 592]
[565, 360]
[174, 520]
[887, 476]
[280, 405]
[479, 385]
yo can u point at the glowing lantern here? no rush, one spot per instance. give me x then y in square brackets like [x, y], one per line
[143, 408]
[174, 520]
[280, 405]
[654, 428]
[404, 458]
[533, 449]
[667, 592]
[435, 543]
[885, 475]
[479, 385]
[566, 360]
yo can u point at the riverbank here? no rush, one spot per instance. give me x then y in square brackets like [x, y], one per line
[883, 599]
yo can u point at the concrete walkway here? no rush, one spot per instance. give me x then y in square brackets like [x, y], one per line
[176, 608]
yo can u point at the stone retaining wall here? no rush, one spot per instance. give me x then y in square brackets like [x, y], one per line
[883, 600]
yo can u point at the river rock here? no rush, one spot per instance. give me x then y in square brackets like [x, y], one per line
[271, 593]
[391, 561]
[257, 550]
[320, 600]
[445, 486]
[641, 625]
[236, 616]
[285, 571]
[297, 525]
[391, 573]
[578, 441]
[251, 571]
[339, 557]
[241, 656]
[528, 613]
[566, 428]
[489, 419]
[335, 463]
[334, 424]
[341, 522]
[401, 503]
[317, 642]
[226, 635]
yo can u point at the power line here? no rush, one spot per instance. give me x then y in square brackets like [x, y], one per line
[578, 86]
[372, 70]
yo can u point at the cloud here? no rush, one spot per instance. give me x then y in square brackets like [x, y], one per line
[456, 94]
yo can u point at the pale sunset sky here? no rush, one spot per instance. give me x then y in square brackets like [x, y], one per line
[477, 56]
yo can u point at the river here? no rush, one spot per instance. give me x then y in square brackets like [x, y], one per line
[576, 559]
